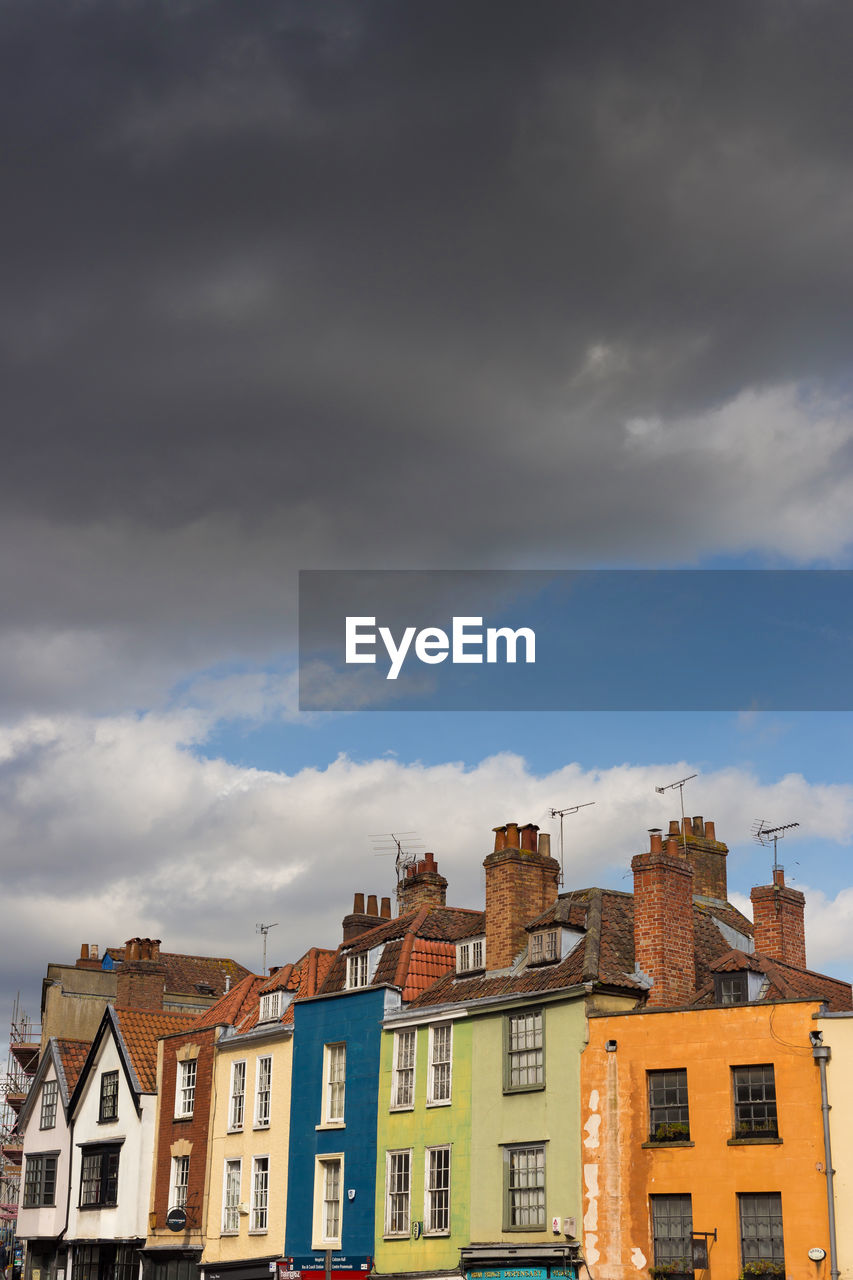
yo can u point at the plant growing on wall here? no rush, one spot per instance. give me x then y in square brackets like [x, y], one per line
[674, 1131]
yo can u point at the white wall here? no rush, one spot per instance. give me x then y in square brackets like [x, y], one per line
[46, 1222]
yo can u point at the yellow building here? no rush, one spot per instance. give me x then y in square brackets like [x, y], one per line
[836, 1034]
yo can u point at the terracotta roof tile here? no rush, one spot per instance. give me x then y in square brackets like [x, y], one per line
[428, 924]
[184, 974]
[72, 1055]
[300, 979]
[140, 1031]
[234, 1004]
[785, 981]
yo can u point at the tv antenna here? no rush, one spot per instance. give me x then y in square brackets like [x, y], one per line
[671, 786]
[404, 858]
[264, 929]
[764, 835]
[561, 813]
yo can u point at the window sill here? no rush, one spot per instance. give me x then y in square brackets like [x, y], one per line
[240, 1130]
[331, 1124]
[524, 1088]
[754, 1142]
[108, 1120]
[409, 1106]
[257, 1231]
[526, 1230]
[401, 1235]
[256, 1127]
[443, 1102]
[84, 1207]
[676, 1142]
[179, 1119]
[436, 1235]
[230, 1234]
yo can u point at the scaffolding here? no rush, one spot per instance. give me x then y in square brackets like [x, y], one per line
[21, 1064]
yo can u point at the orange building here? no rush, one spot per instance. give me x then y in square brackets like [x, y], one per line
[702, 1130]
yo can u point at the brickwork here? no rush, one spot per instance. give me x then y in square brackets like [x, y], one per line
[706, 854]
[779, 919]
[663, 923]
[173, 1135]
[521, 883]
[423, 886]
[141, 978]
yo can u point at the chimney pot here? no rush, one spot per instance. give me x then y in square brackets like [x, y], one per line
[410, 869]
[674, 828]
[372, 906]
[528, 837]
[429, 862]
[511, 835]
[385, 909]
[358, 904]
[672, 846]
[779, 877]
[687, 827]
[710, 831]
[655, 840]
[500, 838]
[698, 827]
[93, 950]
[544, 844]
[155, 948]
[84, 951]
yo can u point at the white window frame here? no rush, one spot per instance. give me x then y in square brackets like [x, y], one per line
[401, 1075]
[471, 955]
[227, 1206]
[430, 1191]
[545, 946]
[319, 1239]
[237, 1097]
[179, 1182]
[259, 1209]
[433, 1098]
[185, 1086]
[271, 1006]
[263, 1097]
[333, 1112]
[358, 969]
[392, 1194]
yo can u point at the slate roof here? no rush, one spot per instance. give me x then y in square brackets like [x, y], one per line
[417, 948]
[140, 1030]
[784, 981]
[184, 974]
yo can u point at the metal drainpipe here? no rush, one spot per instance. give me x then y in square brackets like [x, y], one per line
[821, 1054]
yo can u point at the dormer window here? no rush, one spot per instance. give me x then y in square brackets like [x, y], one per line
[545, 946]
[357, 970]
[731, 988]
[271, 1006]
[471, 955]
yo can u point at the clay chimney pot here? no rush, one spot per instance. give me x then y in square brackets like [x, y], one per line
[544, 844]
[511, 835]
[674, 828]
[385, 909]
[528, 837]
[372, 905]
[358, 904]
[710, 831]
[655, 840]
[698, 827]
[84, 951]
[500, 838]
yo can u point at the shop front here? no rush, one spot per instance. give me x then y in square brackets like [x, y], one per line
[521, 1262]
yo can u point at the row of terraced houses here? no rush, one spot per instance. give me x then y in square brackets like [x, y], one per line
[636, 1084]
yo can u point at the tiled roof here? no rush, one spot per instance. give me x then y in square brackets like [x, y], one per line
[72, 1055]
[140, 1031]
[184, 974]
[784, 981]
[233, 1005]
[416, 948]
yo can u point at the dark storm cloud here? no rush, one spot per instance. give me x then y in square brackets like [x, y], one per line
[290, 285]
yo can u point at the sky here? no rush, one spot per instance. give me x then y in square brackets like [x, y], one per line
[380, 285]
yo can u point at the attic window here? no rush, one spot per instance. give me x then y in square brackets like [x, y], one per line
[731, 988]
[471, 955]
[271, 1007]
[357, 970]
[204, 988]
[545, 946]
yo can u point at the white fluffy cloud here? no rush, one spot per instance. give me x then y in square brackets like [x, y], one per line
[120, 826]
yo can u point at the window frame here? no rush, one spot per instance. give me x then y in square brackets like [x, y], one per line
[227, 1206]
[403, 1196]
[322, 1163]
[33, 1193]
[108, 1097]
[737, 983]
[466, 951]
[263, 1095]
[179, 1180]
[430, 1191]
[433, 1100]
[260, 1197]
[271, 1006]
[186, 1078]
[509, 1086]
[664, 1128]
[331, 1056]
[49, 1101]
[545, 946]
[742, 1130]
[234, 1097]
[397, 1072]
[752, 1198]
[358, 971]
[663, 1257]
[105, 1153]
[510, 1151]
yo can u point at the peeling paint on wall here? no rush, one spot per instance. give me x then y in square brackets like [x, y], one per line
[638, 1258]
[592, 1254]
[590, 1177]
[592, 1126]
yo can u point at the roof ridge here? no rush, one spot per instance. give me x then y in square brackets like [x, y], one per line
[409, 946]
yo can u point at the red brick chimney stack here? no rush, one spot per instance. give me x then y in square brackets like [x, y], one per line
[663, 920]
[140, 979]
[423, 886]
[522, 881]
[359, 921]
[706, 855]
[779, 921]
